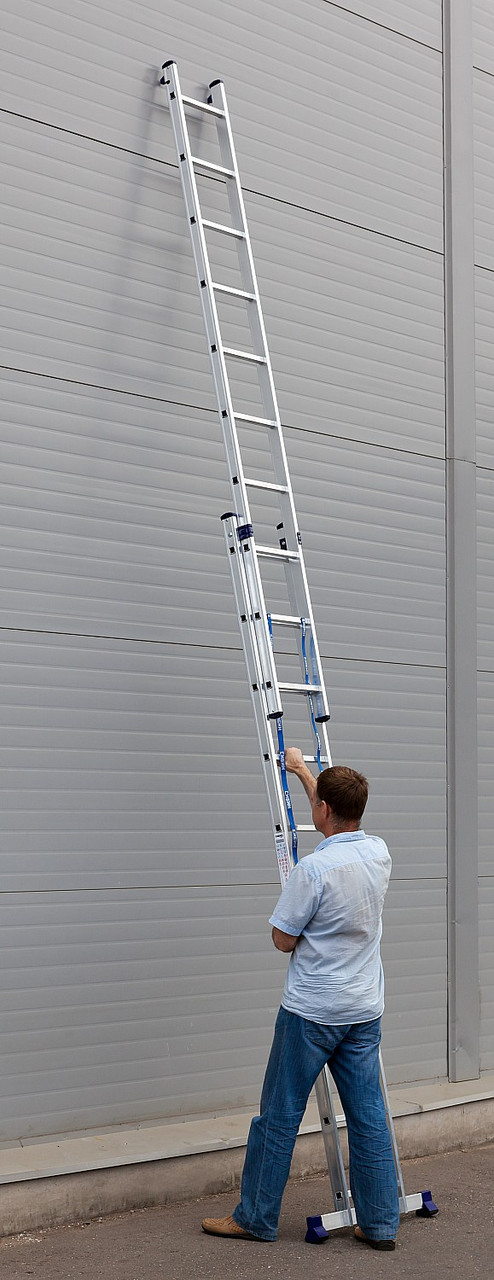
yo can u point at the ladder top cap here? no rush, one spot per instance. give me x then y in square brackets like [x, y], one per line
[213, 82]
[229, 515]
[170, 63]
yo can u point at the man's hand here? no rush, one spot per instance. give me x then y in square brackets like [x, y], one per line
[295, 763]
[294, 760]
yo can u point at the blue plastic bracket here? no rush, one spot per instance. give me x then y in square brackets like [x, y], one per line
[316, 1233]
[428, 1208]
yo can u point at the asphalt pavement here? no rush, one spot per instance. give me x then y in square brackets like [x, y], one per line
[159, 1243]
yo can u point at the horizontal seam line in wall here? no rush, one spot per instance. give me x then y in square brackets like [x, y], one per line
[384, 27]
[219, 884]
[265, 195]
[198, 408]
[214, 648]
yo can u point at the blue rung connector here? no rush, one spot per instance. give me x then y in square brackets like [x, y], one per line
[245, 531]
[316, 1233]
[428, 1208]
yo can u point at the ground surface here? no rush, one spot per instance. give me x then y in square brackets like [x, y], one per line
[151, 1244]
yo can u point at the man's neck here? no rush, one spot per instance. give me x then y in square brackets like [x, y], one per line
[337, 829]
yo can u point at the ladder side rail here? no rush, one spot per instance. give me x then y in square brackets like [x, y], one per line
[389, 1118]
[203, 272]
[332, 1147]
[300, 598]
[264, 725]
[249, 280]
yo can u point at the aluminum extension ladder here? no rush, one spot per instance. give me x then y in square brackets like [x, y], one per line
[259, 627]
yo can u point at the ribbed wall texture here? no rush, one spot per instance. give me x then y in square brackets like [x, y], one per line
[137, 864]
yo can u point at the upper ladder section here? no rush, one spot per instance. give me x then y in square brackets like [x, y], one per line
[262, 530]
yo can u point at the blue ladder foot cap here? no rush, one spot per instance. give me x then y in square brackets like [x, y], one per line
[316, 1233]
[428, 1207]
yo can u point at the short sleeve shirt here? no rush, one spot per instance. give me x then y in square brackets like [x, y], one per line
[333, 902]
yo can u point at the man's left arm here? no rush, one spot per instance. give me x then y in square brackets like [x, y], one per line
[284, 941]
[296, 905]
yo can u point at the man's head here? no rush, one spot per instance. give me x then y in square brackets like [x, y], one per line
[340, 799]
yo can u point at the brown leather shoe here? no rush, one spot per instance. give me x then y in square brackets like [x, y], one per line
[374, 1244]
[226, 1227]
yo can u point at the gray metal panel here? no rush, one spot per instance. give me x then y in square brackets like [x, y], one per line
[485, 534]
[483, 86]
[120, 1006]
[367, 137]
[356, 328]
[486, 940]
[99, 283]
[110, 513]
[486, 771]
[389, 722]
[422, 21]
[484, 315]
[118, 754]
[414, 953]
[116, 758]
[483, 35]
[99, 287]
[373, 528]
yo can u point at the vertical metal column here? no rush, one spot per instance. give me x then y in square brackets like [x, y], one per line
[461, 542]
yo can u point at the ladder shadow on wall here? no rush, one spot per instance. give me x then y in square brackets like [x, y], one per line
[146, 298]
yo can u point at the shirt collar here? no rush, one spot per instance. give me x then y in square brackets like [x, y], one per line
[337, 839]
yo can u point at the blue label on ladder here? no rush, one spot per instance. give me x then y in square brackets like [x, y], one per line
[284, 776]
[309, 695]
[286, 788]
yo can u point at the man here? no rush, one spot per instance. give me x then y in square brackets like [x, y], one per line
[328, 918]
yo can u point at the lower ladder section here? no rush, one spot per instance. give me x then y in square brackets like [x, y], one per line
[343, 1214]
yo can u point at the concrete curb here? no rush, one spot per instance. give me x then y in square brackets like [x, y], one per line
[55, 1201]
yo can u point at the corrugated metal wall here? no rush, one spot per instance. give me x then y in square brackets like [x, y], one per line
[137, 870]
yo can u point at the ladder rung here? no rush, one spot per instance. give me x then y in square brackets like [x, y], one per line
[212, 168]
[306, 826]
[309, 760]
[266, 484]
[277, 553]
[284, 619]
[226, 231]
[243, 355]
[256, 422]
[234, 293]
[203, 106]
[299, 688]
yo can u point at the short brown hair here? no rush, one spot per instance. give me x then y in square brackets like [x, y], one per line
[344, 790]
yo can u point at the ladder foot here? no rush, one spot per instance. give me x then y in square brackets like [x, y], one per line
[428, 1208]
[316, 1233]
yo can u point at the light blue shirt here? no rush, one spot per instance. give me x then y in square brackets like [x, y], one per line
[334, 900]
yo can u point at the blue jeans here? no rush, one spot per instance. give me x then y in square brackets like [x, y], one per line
[299, 1052]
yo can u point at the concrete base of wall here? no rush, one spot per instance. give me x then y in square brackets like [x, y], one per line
[39, 1202]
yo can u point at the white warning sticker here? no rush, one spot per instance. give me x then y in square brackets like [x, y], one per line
[284, 860]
